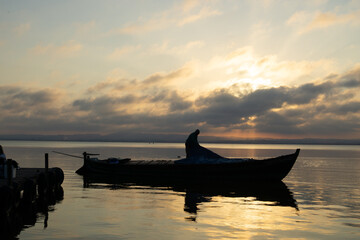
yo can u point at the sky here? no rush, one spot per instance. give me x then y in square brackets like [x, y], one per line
[233, 69]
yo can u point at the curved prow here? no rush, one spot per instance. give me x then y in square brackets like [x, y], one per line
[290, 159]
[194, 150]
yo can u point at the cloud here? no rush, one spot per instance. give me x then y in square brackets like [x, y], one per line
[177, 50]
[69, 49]
[326, 108]
[298, 18]
[307, 22]
[22, 29]
[179, 15]
[129, 104]
[28, 97]
[348, 107]
[28, 103]
[85, 27]
[329, 109]
[351, 78]
[308, 122]
[279, 110]
[153, 94]
[203, 13]
[243, 66]
[273, 122]
[177, 102]
[164, 78]
[188, 5]
[103, 104]
[120, 52]
[158, 50]
[117, 83]
[256, 110]
[283, 110]
[154, 24]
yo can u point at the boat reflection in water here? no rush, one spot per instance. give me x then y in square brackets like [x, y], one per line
[269, 193]
[272, 193]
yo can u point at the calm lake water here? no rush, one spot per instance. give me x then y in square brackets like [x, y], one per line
[319, 199]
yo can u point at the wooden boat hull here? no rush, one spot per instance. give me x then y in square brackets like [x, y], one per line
[273, 169]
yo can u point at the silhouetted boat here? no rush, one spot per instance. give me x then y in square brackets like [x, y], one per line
[250, 169]
[200, 164]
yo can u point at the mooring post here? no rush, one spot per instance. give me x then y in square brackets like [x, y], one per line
[9, 171]
[46, 162]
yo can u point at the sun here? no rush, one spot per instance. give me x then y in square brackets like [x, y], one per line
[244, 68]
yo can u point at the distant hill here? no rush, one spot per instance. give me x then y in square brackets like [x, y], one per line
[177, 138]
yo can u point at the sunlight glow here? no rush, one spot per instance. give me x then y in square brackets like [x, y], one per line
[255, 83]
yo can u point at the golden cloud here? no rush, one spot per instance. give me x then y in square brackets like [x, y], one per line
[310, 21]
[179, 15]
[68, 49]
[120, 52]
[203, 13]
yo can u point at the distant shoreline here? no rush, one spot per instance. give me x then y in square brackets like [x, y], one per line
[203, 139]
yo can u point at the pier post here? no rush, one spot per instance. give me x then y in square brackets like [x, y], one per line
[9, 171]
[46, 162]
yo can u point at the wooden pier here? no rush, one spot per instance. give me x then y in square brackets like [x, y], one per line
[25, 174]
[31, 191]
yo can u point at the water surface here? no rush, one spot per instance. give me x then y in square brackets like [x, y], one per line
[319, 199]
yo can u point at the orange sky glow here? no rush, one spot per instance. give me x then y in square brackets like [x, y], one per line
[150, 69]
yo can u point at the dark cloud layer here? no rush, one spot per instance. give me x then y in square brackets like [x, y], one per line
[26, 103]
[327, 109]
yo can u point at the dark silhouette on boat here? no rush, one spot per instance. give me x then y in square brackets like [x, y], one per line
[200, 164]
